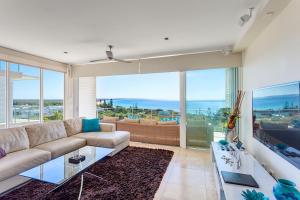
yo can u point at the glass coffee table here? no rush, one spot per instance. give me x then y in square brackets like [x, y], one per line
[60, 170]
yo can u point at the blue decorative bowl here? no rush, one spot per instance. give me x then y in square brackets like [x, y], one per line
[223, 142]
[286, 190]
[253, 195]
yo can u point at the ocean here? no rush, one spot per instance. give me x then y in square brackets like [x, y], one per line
[276, 102]
[192, 106]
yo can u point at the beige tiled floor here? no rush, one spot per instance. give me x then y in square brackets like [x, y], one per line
[189, 175]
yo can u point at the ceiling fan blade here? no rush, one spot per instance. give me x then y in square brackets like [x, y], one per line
[93, 62]
[99, 60]
[123, 61]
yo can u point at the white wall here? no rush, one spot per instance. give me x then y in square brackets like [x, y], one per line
[28, 59]
[274, 57]
[161, 64]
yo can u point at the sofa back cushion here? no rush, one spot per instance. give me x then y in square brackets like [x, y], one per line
[73, 126]
[167, 123]
[13, 139]
[150, 122]
[107, 119]
[46, 132]
[131, 121]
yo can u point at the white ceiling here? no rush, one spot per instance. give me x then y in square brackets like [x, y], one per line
[47, 28]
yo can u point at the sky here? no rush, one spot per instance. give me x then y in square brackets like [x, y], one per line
[163, 86]
[282, 89]
[201, 85]
[205, 84]
[30, 89]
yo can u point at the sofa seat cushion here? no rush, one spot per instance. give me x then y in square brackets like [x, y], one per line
[62, 146]
[45, 132]
[13, 139]
[17, 162]
[105, 139]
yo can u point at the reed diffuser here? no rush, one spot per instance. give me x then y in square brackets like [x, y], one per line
[234, 116]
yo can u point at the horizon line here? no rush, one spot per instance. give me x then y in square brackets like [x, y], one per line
[159, 99]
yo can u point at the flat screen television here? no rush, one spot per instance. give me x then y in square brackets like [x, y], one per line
[276, 119]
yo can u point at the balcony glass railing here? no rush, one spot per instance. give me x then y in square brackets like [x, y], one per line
[138, 113]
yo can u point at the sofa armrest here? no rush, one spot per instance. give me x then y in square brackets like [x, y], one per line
[107, 127]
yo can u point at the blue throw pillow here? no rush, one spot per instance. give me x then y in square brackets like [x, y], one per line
[91, 125]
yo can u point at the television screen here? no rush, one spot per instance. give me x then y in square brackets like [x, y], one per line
[276, 119]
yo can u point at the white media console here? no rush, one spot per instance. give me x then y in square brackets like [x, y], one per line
[249, 165]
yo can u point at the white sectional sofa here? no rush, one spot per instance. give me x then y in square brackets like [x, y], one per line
[32, 145]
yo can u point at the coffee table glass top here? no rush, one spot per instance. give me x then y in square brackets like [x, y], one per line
[59, 169]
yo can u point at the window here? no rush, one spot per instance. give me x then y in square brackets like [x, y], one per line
[154, 96]
[53, 95]
[210, 95]
[25, 90]
[2, 94]
[24, 93]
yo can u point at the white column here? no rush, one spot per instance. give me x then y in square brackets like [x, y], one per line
[182, 87]
[41, 95]
[87, 97]
[75, 97]
[69, 97]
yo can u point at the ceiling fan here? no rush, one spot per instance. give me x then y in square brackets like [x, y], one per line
[110, 57]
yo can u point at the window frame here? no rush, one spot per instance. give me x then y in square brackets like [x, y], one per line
[9, 96]
[42, 92]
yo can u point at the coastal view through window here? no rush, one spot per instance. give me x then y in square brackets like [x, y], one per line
[207, 107]
[53, 95]
[25, 89]
[150, 96]
[209, 98]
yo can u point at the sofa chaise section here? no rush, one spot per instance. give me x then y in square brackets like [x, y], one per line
[108, 137]
[105, 139]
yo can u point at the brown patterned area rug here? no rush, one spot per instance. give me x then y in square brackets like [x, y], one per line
[134, 173]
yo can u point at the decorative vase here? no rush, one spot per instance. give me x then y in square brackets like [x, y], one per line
[286, 190]
[230, 135]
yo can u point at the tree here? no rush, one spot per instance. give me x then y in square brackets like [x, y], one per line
[286, 105]
[104, 104]
[111, 103]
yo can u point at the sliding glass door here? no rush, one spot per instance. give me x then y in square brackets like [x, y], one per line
[209, 95]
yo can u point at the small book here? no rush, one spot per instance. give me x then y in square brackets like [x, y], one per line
[239, 179]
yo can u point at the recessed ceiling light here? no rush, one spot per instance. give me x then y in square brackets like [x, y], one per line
[166, 38]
